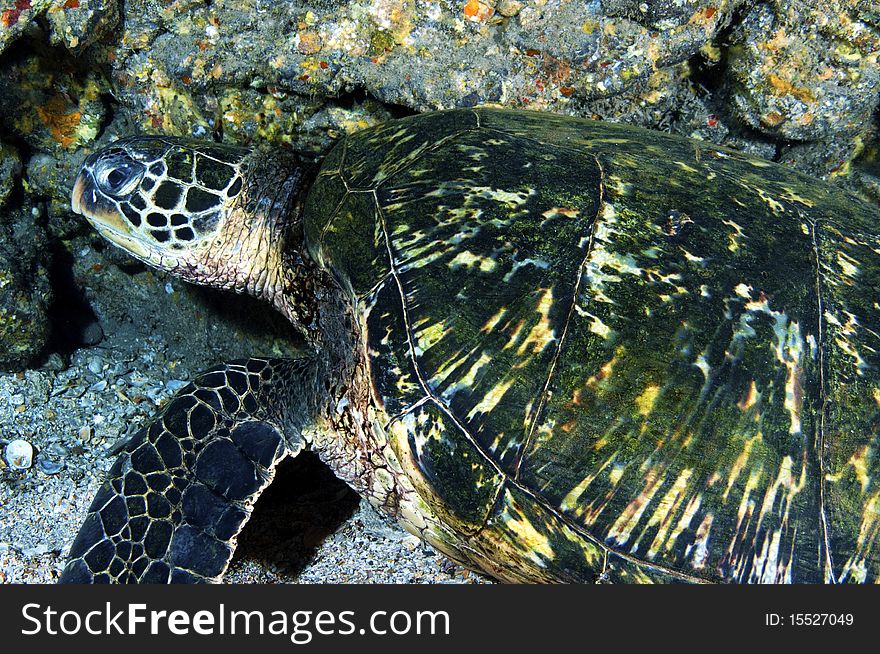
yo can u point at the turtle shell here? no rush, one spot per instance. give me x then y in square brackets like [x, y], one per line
[606, 351]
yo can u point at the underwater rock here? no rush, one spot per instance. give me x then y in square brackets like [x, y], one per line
[51, 176]
[52, 104]
[807, 71]
[75, 23]
[78, 23]
[25, 291]
[669, 101]
[866, 172]
[55, 105]
[254, 72]
[662, 14]
[302, 74]
[10, 167]
[16, 15]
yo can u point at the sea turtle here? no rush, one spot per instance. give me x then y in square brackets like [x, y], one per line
[555, 349]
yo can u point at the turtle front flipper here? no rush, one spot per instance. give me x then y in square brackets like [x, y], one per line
[180, 492]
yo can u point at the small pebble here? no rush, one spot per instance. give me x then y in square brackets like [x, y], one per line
[35, 550]
[411, 542]
[96, 365]
[155, 394]
[174, 385]
[137, 379]
[509, 8]
[56, 450]
[49, 467]
[85, 433]
[92, 334]
[19, 454]
[54, 362]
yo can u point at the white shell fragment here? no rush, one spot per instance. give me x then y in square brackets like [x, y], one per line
[19, 454]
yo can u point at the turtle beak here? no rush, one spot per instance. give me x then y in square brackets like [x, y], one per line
[132, 245]
[104, 216]
[79, 188]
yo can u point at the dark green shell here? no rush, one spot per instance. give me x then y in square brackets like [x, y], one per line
[639, 355]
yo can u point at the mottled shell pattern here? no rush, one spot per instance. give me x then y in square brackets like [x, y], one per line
[618, 354]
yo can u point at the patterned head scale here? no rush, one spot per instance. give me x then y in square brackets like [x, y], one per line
[160, 198]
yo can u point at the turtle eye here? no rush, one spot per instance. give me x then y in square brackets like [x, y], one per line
[118, 175]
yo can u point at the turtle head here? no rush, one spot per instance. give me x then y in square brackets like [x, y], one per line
[209, 213]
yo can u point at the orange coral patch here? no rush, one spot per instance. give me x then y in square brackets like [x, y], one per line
[58, 120]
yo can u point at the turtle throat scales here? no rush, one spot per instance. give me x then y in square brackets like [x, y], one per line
[284, 272]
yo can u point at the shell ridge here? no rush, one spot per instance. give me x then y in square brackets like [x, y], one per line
[334, 214]
[526, 444]
[411, 347]
[429, 396]
[823, 395]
